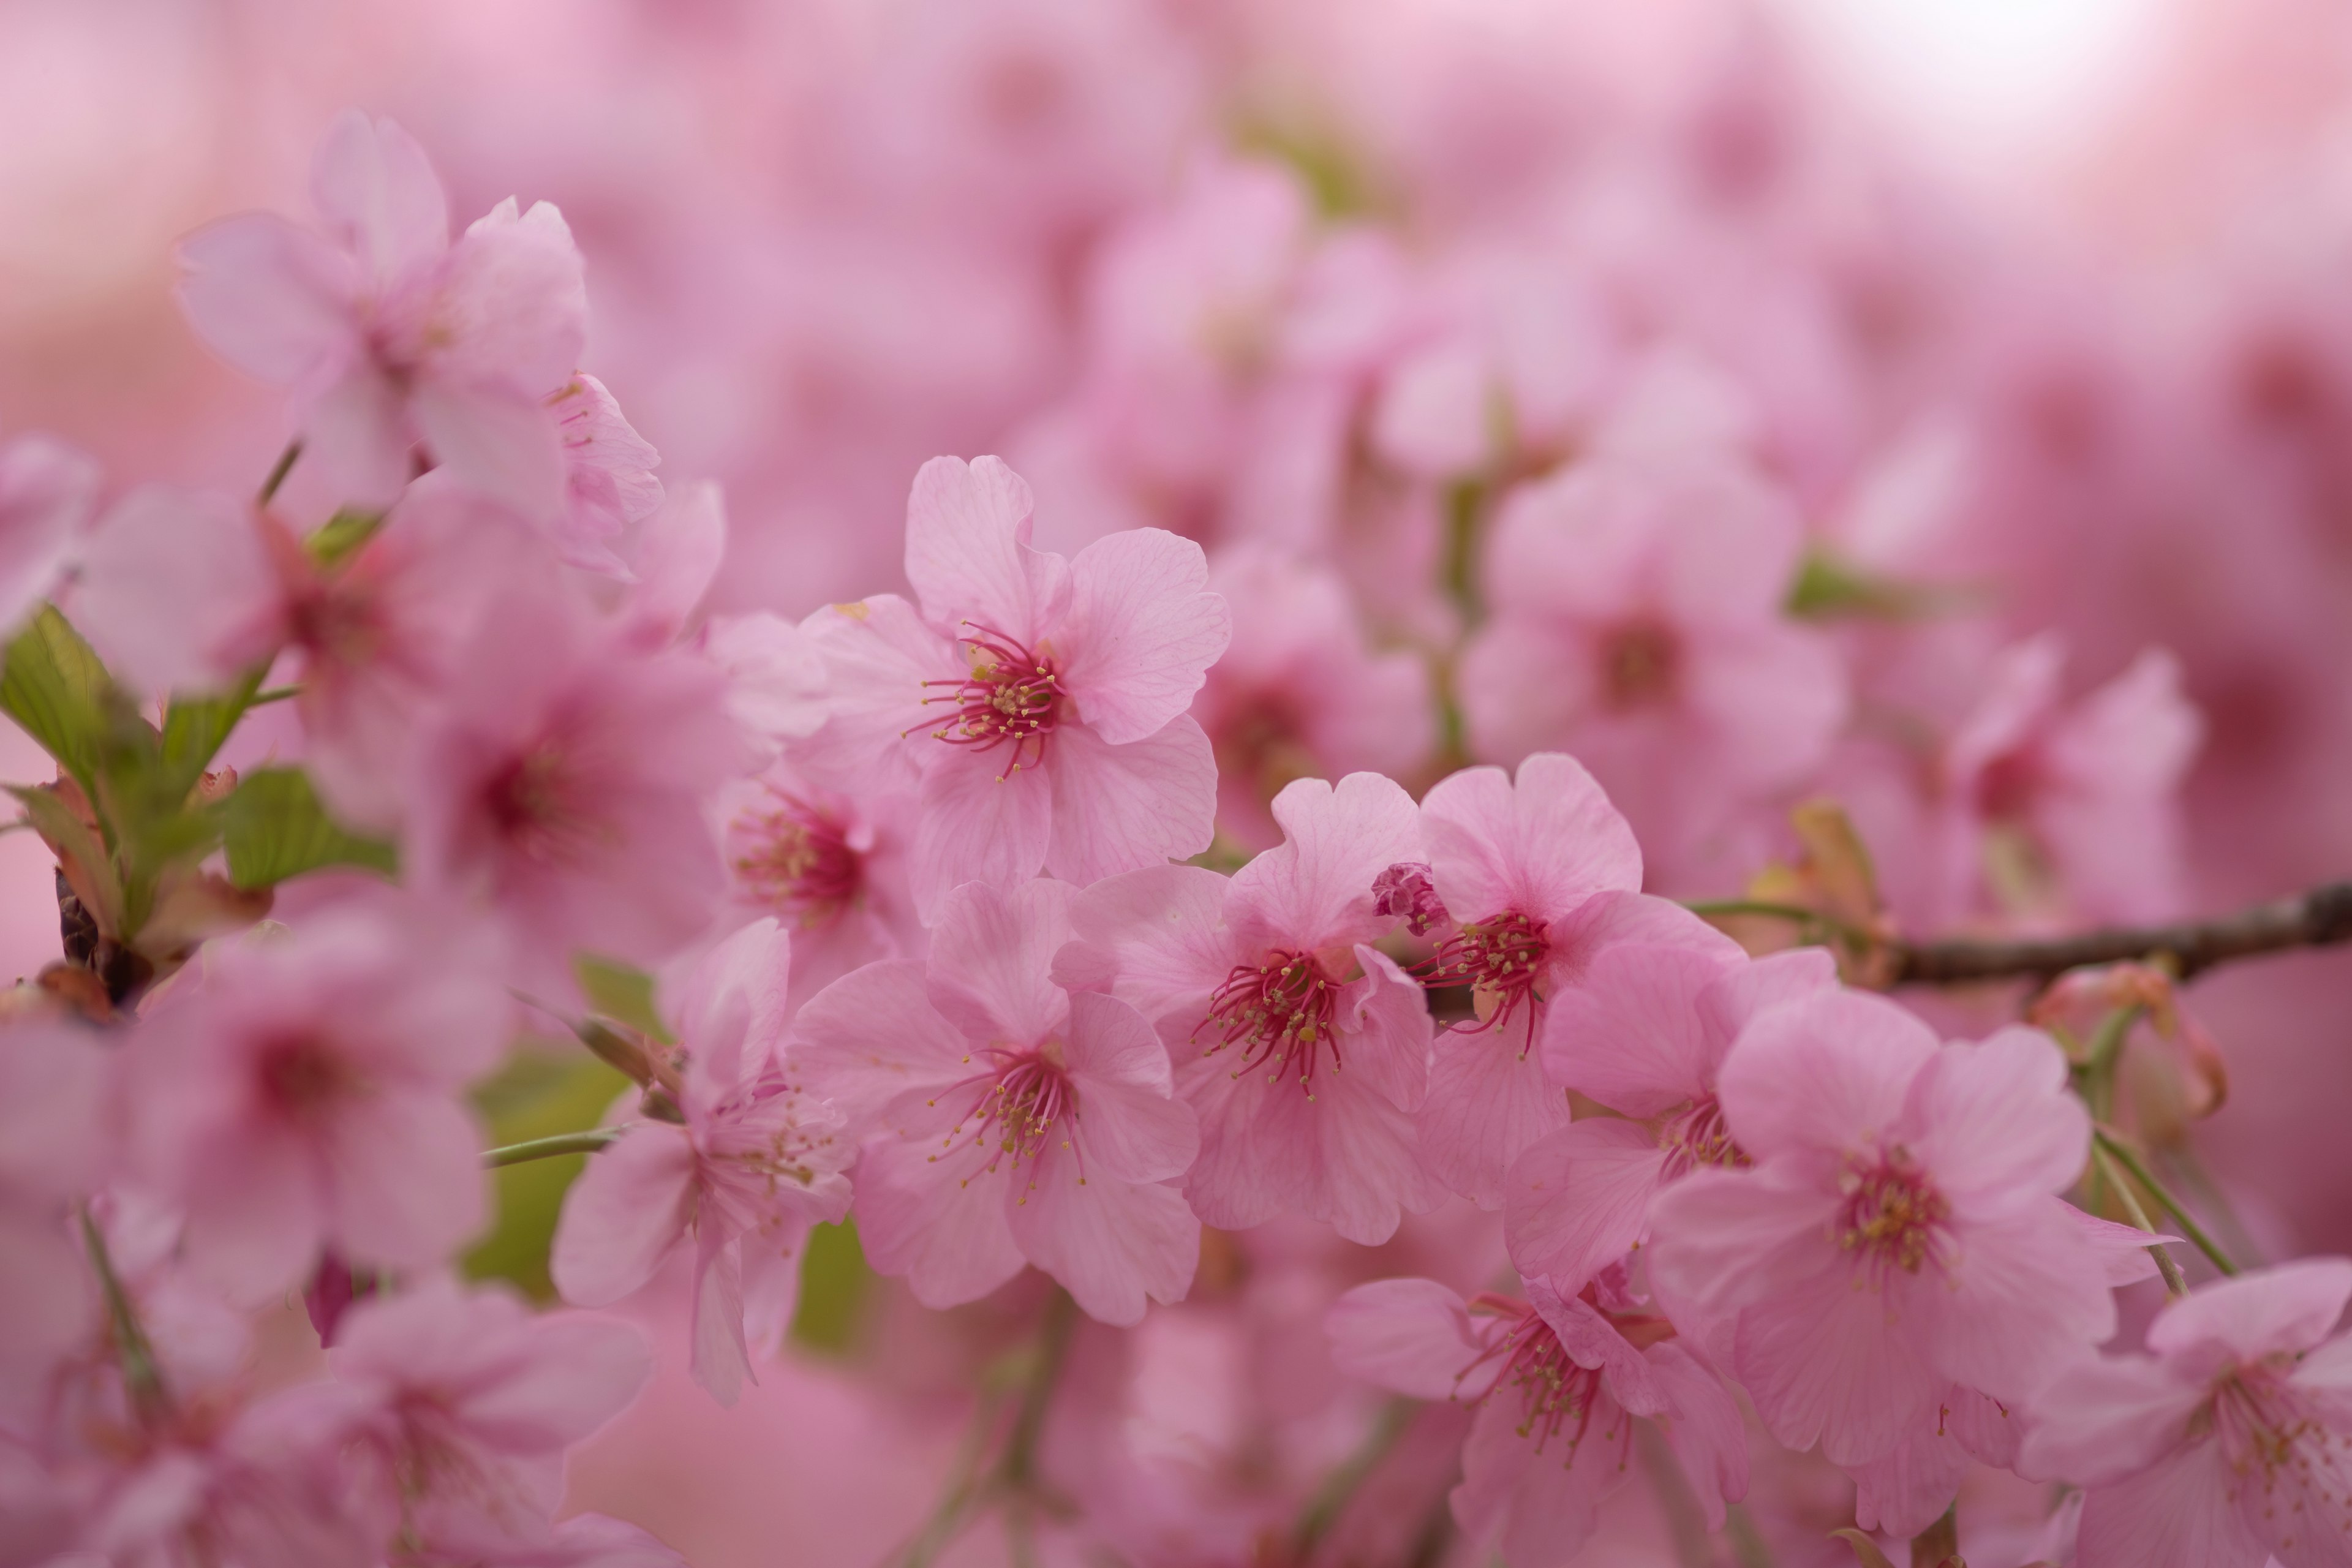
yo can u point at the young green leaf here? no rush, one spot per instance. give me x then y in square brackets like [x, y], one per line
[273, 828]
[56, 689]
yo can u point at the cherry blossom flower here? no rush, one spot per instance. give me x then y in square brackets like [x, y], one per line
[1637, 620]
[1006, 1119]
[1898, 1230]
[1557, 1382]
[393, 337]
[1299, 694]
[1644, 1035]
[54, 1148]
[2230, 1444]
[1304, 1050]
[1037, 703]
[47, 494]
[831, 868]
[608, 470]
[756, 1165]
[306, 1092]
[1537, 874]
[570, 795]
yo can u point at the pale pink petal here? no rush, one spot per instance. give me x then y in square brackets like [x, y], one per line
[872, 1039]
[47, 491]
[2120, 1251]
[878, 657]
[1606, 919]
[1110, 1243]
[1370, 1166]
[177, 591]
[1487, 1101]
[719, 1360]
[1314, 889]
[497, 442]
[580, 1372]
[2178, 1514]
[47, 1299]
[1703, 1425]
[511, 307]
[1387, 1031]
[1908, 1489]
[1631, 1035]
[992, 960]
[1540, 846]
[732, 1012]
[1151, 938]
[1743, 990]
[2289, 1308]
[677, 556]
[968, 554]
[406, 1178]
[1141, 631]
[1131, 1127]
[359, 436]
[622, 1215]
[1539, 1508]
[1721, 1238]
[1257, 1153]
[274, 300]
[1823, 1074]
[1773, 697]
[2102, 1419]
[1996, 1124]
[1593, 1342]
[1832, 1363]
[1988, 1429]
[1579, 1200]
[255, 1215]
[1124, 808]
[376, 189]
[929, 1216]
[1409, 1336]
[978, 826]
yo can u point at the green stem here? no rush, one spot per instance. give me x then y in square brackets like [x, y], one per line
[562, 1143]
[2175, 1282]
[275, 694]
[2107, 1049]
[2122, 1154]
[1019, 1467]
[140, 1375]
[1330, 1500]
[277, 474]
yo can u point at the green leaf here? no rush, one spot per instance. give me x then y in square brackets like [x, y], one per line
[273, 828]
[58, 822]
[56, 689]
[195, 727]
[622, 993]
[341, 538]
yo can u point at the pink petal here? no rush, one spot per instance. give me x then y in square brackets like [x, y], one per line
[1140, 633]
[1540, 846]
[1841, 1366]
[47, 1299]
[1773, 697]
[2289, 1308]
[376, 189]
[992, 960]
[978, 826]
[358, 436]
[1743, 990]
[1487, 1101]
[622, 1215]
[734, 1014]
[1580, 1200]
[177, 591]
[1151, 938]
[1822, 1075]
[2121, 1251]
[274, 302]
[1539, 1508]
[2022, 1300]
[1256, 1155]
[511, 307]
[720, 1359]
[497, 442]
[256, 1213]
[1314, 889]
[1908, 1489]
[1369, 1170]
[2178, 1514]
[1607, 920]
[1721, 1238]
[47, 490]
[1110, 1243]
[1385, 1016]
[580, 1372]
[1409, 1336]
[2102, 1419]
[968, 553]
[1631, 1035]
[1703, 1426]
[932, 1219]
[407, 1181]
[1130, 1126]
[678, 554]
[1996, 1123]
[872, 1039]
[1595, 1343]
[1126, 807]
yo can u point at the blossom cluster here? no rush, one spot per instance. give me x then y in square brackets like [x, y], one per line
[1337, 941]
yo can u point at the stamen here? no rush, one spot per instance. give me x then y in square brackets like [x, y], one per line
[1021, 1097]
[1555, 1394]
[1499, 960]
[1011, 695]
[1698, 1137]
[1891, 1215]
[1280, 1009]
[796, 860]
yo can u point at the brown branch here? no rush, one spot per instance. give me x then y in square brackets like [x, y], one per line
[2320, 917]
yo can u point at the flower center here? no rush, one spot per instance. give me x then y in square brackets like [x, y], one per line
[2275, 1441]
[1698, 1137]
[1554, 1393]
[1890, 1214]
[1640, 663]
[532, 804]
[1011, 695]
[1018, 1098]
[301, 1077]
[1278, 1011]
[1498, 958]
[796, 860]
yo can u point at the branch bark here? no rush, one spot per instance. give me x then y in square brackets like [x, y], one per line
[2320, 917]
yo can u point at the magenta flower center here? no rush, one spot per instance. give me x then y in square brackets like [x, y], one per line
[301, 1077]
[797, 861]
[1698, 1137]
[1890, 1214]
[1554, 1393]
[1016, 1104]
[533, 802]
[1640, 664]
[1278, 1013]
[1498, 958]
[1011, 697]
